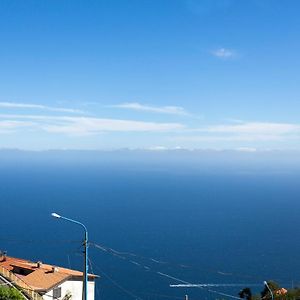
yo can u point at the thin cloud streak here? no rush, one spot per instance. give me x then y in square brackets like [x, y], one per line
[243, 132]
[231, 138]
[82, 126]
[173, 110]
[255, 128]
[8, 126]
[38, 106]
[87, 125]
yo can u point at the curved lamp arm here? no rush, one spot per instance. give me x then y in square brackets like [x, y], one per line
[266, 284]
[86, 265]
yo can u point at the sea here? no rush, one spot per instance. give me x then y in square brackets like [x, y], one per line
[157, 220]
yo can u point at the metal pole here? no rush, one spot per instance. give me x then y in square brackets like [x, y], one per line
[86, 265]
[86, 259]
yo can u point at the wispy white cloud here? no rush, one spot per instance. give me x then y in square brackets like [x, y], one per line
[8, 126]
[241, 135]
[232, 138]
[244, 132]
[246, 149]
[173, 110]
[224, 53]
[82, 126]
[87, 126]
[261, 128]
[39, 107]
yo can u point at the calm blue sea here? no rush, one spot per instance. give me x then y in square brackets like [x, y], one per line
[205, 222]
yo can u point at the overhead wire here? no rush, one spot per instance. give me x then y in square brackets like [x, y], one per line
[128, 256]
[14, 284]
[11, 284]
[122, 255]
[201, 287]
[38, 241]
[92, 272]
[131, 294]
[118, 254]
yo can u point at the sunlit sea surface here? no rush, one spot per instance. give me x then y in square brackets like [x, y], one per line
[153, 223]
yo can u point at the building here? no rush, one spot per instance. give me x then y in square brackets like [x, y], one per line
[45, 282]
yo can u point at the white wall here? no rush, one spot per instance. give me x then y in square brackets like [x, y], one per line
[75, 288]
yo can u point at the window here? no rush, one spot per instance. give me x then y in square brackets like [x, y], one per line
[57, 293]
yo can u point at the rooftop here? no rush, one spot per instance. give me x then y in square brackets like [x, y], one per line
[40, 276]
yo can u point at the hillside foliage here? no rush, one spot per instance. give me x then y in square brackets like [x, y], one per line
[8, 293]
[290, 294]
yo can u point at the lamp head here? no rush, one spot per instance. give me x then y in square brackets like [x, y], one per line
[55, 215]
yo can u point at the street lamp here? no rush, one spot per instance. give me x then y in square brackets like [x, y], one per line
[266, 284]
[85, 243]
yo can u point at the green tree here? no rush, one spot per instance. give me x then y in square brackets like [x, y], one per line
[245, 294]
[8, 293]
[293, 294]
[265, 293]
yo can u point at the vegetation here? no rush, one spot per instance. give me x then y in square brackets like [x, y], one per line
[279, 293]
[245, 294]
[8, 293]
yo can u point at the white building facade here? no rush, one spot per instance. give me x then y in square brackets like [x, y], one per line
[46, 282]
[70, 289]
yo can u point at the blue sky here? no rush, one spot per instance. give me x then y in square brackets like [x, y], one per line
[208, 74]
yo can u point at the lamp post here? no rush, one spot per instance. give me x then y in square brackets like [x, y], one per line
[266, 284]
[85, 243]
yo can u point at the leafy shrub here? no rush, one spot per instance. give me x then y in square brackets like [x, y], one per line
[8, 293]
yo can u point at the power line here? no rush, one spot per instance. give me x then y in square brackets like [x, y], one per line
[124, 256]
[193, 285]
[117, 253]
[130, 256]
[131, 294]
[35, 241]
[92, 271]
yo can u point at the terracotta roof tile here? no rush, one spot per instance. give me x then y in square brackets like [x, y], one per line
[42, 277]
